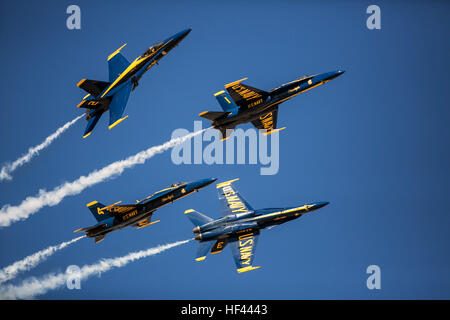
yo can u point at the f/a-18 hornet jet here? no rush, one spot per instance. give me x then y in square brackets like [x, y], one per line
[123, 78]
[138, 215]
[242, 103]
[240, 225]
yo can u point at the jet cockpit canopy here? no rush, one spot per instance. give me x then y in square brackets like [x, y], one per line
[152, 49]
[177, 184]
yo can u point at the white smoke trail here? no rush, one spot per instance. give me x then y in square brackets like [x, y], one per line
[10, 214]
[32, 287]
[26, 264]
[7, 169]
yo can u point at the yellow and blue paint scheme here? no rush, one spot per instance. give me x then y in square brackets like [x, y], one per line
[242, 103]
[124, 77]
[138, 215]
[239, 226]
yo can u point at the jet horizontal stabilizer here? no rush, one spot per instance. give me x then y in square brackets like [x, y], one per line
[93, 87]
[99, 238]
[94, 229]
[226, 132]
[202, 250]
[218, 246]
[197, 218]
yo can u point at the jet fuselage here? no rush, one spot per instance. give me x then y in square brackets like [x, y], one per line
[126, 215]
[276, 96]
[242, 223]
[144, 62]
[132, 73]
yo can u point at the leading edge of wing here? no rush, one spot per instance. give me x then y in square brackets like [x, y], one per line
[231, 201]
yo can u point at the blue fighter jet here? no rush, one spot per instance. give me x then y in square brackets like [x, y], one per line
[123, 78]
[240, 225]
[242, 103]
[139, 214]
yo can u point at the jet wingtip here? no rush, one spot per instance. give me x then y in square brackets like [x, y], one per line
[222, 184]
[87, 135]
[269, 132]
[80, 82]
[117, 122]
[249, 268]
[234, 82]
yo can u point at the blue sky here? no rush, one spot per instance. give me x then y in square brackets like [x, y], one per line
[374, 143]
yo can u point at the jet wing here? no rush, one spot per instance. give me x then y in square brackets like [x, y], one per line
[243, 249]
[118, 104]
[268, 121]
[245, 96]
[230, 199]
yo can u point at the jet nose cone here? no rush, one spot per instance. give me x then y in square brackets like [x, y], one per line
[208, 181]
[325, 77]
[335, 74]
[203, 183]
[319, 205]
[182, 34]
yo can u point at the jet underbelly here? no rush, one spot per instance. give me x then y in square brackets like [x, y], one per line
[131, 219]
[248, 115]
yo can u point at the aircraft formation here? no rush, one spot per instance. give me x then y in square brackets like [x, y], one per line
[240, 224]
